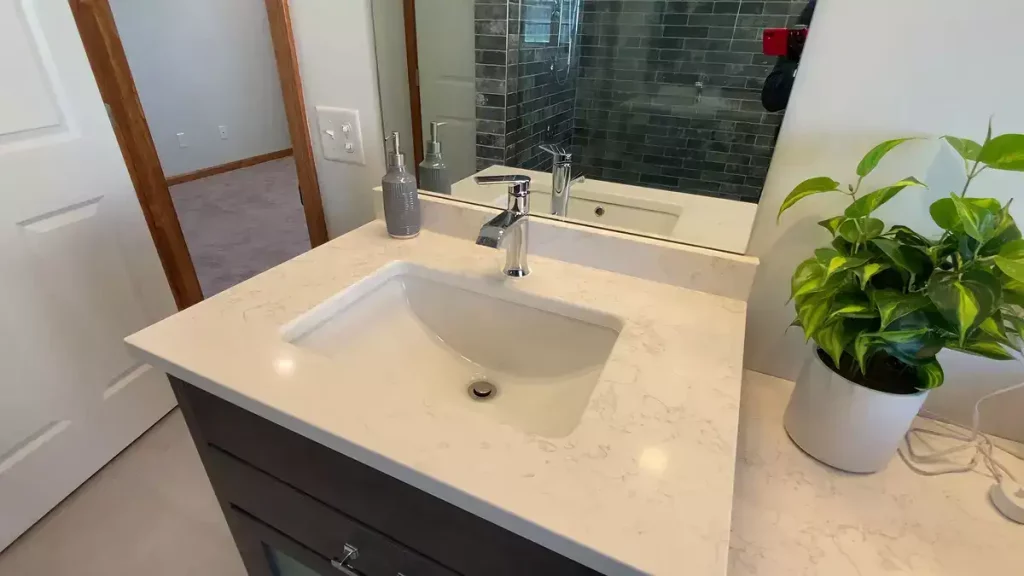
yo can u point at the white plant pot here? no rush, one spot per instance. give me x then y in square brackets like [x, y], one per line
[844, 424]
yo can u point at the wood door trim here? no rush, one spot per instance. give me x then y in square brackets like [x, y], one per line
[106, 56]
[95, 21]
[285, 53]
[228, 166]
[412, 58]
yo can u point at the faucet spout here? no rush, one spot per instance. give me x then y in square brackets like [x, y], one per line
[498, 228]
[508, 229]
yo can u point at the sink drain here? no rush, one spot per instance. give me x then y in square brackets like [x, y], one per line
[482, 390]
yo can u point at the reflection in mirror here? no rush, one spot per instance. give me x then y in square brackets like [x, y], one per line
[653, 117]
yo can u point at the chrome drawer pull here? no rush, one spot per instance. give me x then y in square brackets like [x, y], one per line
[343, 566]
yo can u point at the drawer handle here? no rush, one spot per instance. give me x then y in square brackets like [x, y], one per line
[342, 564]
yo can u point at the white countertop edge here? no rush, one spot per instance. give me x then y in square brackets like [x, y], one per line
[517, 525]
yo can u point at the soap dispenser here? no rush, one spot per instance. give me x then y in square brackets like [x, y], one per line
[433, 172]
[401, 201]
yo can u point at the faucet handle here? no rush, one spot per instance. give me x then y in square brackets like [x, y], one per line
[559, 153]
[518, 184]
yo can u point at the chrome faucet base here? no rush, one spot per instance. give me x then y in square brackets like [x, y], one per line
[510, 226]
[561, 178]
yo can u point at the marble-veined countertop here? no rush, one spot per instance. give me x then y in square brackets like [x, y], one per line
[643, 484]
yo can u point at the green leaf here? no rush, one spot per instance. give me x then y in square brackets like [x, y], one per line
[909, 346]
[852, 306]
[1011, 260]
[841, 263]
[832, 224]
[893, 304]
[1006, 231]
[905, 258]
[872, 158]
[978, 222]
[1013, 292]
[813, 312]
[868, 203]
[825, 255]
[967, 149]
[965, 300]
[908, 236]
[995, 329]
[863, 347]
[808, 277]
[1005, 152]
[833, 338]
[985, 348]
[860, 230]
[808, 188]
[868, 271]
[944, 212]
[929, 375]
[845, 248]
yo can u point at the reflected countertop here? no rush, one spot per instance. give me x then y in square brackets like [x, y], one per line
[698, 220]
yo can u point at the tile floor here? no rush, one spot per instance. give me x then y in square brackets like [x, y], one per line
[240, 223]
[150, 512]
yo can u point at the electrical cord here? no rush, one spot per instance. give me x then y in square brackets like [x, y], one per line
[1006, 492]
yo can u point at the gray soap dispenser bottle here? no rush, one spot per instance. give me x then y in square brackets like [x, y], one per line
[401, 201]
[433, 172]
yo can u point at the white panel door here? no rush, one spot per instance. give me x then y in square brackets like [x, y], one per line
[447, 56]
[78, 273]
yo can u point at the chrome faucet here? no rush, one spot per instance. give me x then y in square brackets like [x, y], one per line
[561, 179]
[511, 222]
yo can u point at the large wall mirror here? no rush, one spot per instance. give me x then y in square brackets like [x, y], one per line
[655, 117]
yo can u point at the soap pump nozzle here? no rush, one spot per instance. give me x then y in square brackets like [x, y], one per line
[395, 156]
[434, 144]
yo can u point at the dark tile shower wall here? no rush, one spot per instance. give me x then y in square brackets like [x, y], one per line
[636, 119]
[540, 99]
[491, 37]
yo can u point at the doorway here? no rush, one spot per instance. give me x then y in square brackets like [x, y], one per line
[207, 106]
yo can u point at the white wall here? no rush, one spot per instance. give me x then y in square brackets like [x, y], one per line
[393, 71]
[199, 64]
[334, 40]
[875, 69]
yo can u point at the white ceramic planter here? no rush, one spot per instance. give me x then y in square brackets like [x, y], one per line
[844, 424]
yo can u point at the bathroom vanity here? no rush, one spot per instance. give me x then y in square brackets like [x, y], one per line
[334, 401]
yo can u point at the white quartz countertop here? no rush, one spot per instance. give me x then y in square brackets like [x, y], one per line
[793, 516]
[644, 483]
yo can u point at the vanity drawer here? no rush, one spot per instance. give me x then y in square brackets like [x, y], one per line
[419, 521]
[316, 526]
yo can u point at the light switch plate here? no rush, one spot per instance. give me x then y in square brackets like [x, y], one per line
[341, 136]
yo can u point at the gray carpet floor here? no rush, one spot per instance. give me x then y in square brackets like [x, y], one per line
[242, 222]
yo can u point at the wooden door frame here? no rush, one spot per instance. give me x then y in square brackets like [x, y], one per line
[412, 60]
[96, 26]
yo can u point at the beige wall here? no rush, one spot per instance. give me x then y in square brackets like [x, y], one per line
[872, 70]
[199, 65]
[334, 40]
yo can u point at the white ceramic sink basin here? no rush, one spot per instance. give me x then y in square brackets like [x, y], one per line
[422, 328]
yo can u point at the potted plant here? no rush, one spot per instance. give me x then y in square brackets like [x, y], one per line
[880, 303]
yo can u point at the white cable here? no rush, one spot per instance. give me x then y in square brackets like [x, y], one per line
[976, 440]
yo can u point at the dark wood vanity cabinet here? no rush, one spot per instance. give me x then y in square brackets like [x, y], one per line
[298, 508]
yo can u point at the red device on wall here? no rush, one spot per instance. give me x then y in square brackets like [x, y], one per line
[787, 42]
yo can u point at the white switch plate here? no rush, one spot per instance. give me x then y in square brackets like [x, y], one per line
[341, 136]
[223, 132]
[182, 143]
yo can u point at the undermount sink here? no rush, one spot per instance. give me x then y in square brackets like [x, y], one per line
[444, 333]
